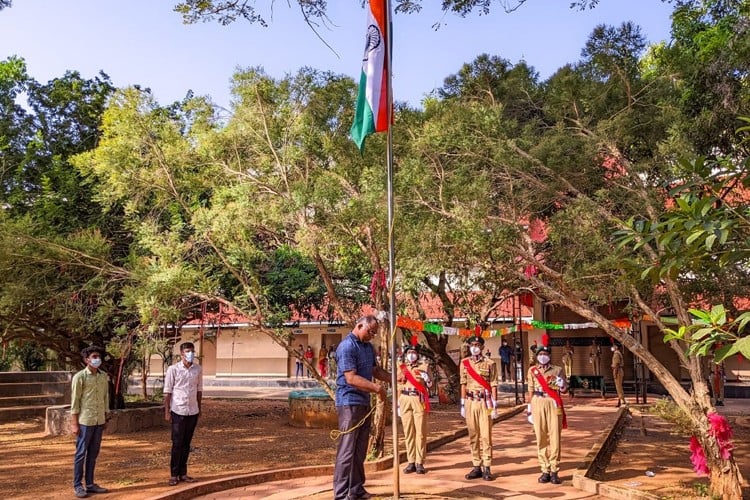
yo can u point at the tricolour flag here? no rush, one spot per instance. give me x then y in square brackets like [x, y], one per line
[371, 114]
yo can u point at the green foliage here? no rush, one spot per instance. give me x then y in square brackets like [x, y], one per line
[713, 330]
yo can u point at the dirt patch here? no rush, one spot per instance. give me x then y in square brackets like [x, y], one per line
[233, 437]
[650, 444]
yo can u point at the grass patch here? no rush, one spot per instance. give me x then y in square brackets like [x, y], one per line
[667, 410]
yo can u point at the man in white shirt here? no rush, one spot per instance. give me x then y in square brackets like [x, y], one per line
[183, 391]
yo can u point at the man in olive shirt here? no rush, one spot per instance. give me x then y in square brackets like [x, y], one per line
[478, 377]
[89, 405]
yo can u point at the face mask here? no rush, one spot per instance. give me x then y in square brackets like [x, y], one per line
[96, 362]
[475, 350]
[613, 349]
[412, 357]
[189, 356]
[543, 359]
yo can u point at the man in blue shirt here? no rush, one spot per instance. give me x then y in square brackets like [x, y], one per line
[356, 367]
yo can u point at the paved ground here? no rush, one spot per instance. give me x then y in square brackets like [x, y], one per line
[514, 465]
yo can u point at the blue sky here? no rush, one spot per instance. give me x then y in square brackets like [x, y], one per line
[144, 42]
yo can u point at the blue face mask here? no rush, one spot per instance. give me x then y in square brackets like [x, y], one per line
[189, 356]
[95, 362]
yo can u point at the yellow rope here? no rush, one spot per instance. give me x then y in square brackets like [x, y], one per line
[335, 433]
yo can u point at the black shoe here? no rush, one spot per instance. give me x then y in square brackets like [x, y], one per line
[420, 469]
[486, 474]
[364, 495]
[719, 403]
[554, 479]
[618, 403]
[410, 468]
[544, 478]
[95, 488]
[474, 473]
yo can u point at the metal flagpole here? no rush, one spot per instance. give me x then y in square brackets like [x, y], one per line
[391, 255]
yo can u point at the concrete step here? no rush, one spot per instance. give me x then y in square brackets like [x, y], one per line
[15, 413]
[38, 400]
[8, 389]
[14, 377]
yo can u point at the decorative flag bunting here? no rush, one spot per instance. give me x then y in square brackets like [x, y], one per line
[438, 329]
[371, 114]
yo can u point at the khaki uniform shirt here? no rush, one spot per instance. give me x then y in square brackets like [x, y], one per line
[90, 396]
[617, 360]
[549, 374]
[486, 368]
[416, 370]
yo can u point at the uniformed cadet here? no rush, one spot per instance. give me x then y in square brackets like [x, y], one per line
[546, 383]
[479, 406]
[618, 373]
[413, 406]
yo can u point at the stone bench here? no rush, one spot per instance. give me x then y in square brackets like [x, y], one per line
[131, 419]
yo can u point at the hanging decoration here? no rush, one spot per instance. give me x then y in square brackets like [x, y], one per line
[438, 329]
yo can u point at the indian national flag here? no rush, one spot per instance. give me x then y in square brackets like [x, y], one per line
[372, 102]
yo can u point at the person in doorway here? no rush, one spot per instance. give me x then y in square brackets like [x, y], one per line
[718, 378]
[478, 377]
[413, 406]
[595, 356]
[298, 362]
[183, 394]
[546, 384]
[532, 352]
[506, 353]
[89, 409]
[356, 367]
[567, 359]
[309, 357]
[323, 360]
[332, 362]
[618, 373]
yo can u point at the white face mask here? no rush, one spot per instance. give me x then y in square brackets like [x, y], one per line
[95, 362]
[412, 357]
[189, 356]
[614, 349]
[475, 350]
[543, 359]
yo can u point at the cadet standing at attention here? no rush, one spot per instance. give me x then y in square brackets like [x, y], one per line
[479, 406]
[413, 406]
[546, 383]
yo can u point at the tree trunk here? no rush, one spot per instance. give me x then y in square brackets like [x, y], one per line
[726, 480]
[376, 444]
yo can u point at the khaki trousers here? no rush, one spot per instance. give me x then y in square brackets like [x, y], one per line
[414, 422]
[547, 427]
[619, 374]
[479, 422]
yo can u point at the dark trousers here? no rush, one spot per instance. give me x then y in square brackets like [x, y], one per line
[298, 369]
[183, 427]
[88, 442]
[349, 472]
[505, 370]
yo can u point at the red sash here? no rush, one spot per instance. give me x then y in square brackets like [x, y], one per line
[553, 394]
[418, 386]
[490, 403]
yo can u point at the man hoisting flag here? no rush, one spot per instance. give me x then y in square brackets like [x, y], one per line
[371, 114]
